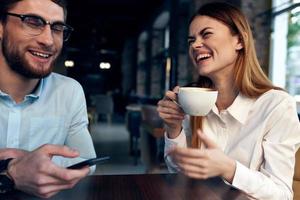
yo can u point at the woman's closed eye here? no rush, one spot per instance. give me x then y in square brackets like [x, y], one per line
[206, 35]
[190, 41]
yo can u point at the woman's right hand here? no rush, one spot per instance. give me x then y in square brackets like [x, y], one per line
[171, 113]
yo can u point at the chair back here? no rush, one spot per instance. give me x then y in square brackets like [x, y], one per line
[296, 180]
[150, 116]
[133, 123]
[104, 104]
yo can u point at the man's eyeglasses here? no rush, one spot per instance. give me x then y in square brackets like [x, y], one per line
[35, 25]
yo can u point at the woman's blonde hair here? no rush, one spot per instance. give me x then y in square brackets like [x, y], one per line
[250, 79]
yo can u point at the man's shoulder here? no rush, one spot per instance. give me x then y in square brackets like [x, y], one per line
[61, 80]
[55, 77]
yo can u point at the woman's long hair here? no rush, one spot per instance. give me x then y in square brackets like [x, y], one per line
[250, 79]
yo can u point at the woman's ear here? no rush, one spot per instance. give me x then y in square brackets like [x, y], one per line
[240, 44]
[242, 39]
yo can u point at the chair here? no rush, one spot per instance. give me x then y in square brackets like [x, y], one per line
[152, 138]
[296, 180]
[91, 111]
[133, 121]
[104, 106]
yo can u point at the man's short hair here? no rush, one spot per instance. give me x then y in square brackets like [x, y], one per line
[6, 5]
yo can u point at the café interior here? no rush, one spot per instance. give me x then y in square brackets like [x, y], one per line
[127, 53]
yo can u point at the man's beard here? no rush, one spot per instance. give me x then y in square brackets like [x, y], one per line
[18, 63]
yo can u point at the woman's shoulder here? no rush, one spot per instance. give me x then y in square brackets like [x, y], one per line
[275, 97]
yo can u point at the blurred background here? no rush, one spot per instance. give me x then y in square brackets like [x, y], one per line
[127, 53]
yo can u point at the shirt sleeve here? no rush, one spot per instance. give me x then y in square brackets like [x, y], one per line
[78, 137]
[180, 140]
[273, 180]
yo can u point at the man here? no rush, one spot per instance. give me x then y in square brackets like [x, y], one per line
[43, 119]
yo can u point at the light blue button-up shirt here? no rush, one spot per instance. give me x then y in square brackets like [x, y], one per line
[55, 113]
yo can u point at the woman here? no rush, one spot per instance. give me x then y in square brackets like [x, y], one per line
[250, 136]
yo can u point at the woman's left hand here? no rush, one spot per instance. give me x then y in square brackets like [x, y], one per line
[204, 163]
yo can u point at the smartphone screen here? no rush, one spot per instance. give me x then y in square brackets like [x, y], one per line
[89, 162]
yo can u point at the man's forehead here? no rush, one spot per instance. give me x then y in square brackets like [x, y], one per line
[45, 8]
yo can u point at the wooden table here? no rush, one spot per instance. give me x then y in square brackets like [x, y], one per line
[144, 187]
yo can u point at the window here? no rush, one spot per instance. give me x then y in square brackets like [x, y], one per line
[285, 47]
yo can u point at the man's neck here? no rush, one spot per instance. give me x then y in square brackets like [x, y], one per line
[16, 85]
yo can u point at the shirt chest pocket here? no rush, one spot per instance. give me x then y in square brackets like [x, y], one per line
[47, 130]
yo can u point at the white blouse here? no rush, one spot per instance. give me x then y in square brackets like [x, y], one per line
[261, 134]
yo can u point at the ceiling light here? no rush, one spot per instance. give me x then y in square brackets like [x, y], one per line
[104, 65]
[69, 63]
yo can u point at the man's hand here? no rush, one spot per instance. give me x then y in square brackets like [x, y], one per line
[36, 174]
[11, 153]
[204, 163]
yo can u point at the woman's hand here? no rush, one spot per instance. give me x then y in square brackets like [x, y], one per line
[171, 113]
[204, 163]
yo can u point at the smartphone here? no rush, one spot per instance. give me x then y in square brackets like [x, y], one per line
[89, 162]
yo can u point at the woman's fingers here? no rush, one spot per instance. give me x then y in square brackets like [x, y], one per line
[169, 104]
[169, 107]
[189, 152]
[176, 89]
[171, 95]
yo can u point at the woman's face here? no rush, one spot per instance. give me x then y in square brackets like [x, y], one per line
[212, 47]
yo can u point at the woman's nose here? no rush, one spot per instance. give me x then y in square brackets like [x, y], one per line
[197, 44]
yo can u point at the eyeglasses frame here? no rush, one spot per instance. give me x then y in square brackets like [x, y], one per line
[45, 22]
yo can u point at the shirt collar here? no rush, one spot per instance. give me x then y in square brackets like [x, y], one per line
[38, 90]
[35, 94]
[239, 109]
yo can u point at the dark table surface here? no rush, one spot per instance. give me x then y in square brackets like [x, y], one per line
[142, 187]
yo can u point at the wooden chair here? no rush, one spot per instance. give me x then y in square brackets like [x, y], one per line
[152, 138]
[133, 121]
[296, 181]
[104, 106]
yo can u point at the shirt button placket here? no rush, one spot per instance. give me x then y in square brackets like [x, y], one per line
[13, 128]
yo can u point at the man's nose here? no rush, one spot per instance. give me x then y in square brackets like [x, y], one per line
[46, 36]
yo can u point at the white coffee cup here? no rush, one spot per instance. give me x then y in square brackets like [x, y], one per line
[197, 101]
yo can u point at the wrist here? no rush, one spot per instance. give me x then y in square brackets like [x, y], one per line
[10, 169]
[229, 170]
[6, 181]
[6, 153]
[173, 132]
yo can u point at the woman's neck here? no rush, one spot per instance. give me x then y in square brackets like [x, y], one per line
[227, 92]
